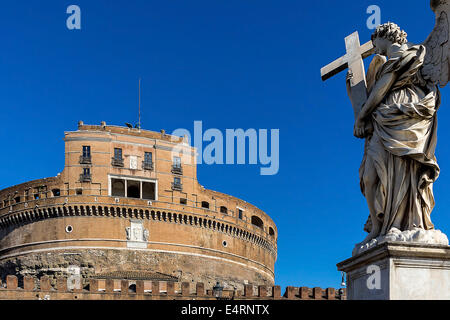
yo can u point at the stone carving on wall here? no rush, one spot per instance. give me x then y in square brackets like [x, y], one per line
[137, 235]
[133, 163]
[395, 111]
[74, 277]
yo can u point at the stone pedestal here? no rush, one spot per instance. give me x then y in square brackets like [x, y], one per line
[399, 271]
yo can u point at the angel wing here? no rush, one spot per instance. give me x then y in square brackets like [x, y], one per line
[436, 65]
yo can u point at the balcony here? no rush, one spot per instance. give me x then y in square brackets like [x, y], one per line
[85, 177]
[147, 165]
[117, 162]
[85, 159]
[177, 186]
[177, 169]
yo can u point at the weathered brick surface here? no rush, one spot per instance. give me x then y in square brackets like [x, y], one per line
[62, 293]
[28, 283]
[170, 288]
[291, 292]
[93, 285]
[262, 291]
[45, 283]
[155, 288]
[304, 293]
[185, 288]
[317, 293]
[276, 292]
[200, 289]
[11, 282]
[109, 285]
[140, 287]
[248, 290]
[62, 284]
[331, 293]
[124, 285]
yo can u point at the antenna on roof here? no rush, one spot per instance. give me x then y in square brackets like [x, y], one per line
[139, 123]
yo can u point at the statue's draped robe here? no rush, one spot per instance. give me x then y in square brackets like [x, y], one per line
[403, 144]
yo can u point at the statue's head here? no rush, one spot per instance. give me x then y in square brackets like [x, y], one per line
[386, 35]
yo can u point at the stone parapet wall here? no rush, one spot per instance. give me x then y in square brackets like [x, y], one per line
[97, 289]
[91, 262]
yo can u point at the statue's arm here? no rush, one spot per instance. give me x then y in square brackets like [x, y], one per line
[381, 88]
[379, 91]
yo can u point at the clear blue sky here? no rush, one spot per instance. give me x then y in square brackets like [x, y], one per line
[232, 64]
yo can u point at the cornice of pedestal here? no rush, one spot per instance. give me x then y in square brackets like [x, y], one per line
[395, 250]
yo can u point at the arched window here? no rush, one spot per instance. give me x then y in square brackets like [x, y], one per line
[205, 204]
[118, 188]
[257, 222]
[223, 210]
[271, 232]
[133, 189]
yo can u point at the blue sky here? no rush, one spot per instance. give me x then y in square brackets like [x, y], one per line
[231, 64]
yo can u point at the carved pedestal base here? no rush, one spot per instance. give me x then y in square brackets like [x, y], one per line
[399, 271]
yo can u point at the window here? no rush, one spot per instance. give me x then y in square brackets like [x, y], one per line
[271, 232]
[56, 192]
[135, 188]
[148, 161]
[256, 221]
[86, 175]
[148, 190]
[205, 204]
[79, 192]
[118, 153]
[36, 196]
[240, 213]
[176, 185]
[176, 162]
[176, 166]
[17, 199]
[183, 201]
[223, 210]
[86, 151]
[117, 160]
[85, 157]
[117, 188]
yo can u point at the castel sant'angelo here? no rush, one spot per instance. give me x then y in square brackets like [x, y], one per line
[125, 207]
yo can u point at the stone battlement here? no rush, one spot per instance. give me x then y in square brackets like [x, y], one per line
[31, 288]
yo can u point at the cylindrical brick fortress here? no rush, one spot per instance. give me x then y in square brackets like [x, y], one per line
[129, 200]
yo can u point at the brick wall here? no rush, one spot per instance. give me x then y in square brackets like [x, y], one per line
[41, 289]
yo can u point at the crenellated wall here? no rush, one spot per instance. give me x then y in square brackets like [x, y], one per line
[108, 289]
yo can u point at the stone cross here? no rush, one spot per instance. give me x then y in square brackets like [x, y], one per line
[353, 60]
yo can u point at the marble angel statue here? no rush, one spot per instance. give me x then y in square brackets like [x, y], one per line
[399, 122]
